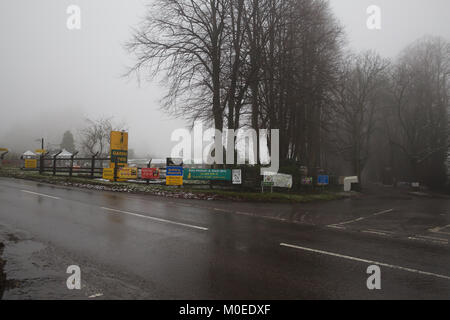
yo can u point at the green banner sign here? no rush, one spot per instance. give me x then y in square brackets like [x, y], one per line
[207, 174]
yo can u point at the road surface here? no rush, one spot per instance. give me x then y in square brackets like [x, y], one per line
[131, 246]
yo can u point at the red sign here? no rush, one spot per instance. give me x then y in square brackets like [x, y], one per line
[149, 173]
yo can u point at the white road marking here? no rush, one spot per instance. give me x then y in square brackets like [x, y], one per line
[430, 239]
[361, 218]
[40, 194]
[439, 229]
[156, 219]
[335, 226]
[392, 266]
[376, 232]
[96, 295]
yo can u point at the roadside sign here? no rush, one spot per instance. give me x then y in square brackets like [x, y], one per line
[207, 174]
[127, 173]
[174, 176]
[279, 180]
[323, 180]
[268, 181]
[3, 149]
[149, 173]
[30, 163]
[118, 149]
[174, 171]
[174, 180]
[237, 176]
[40, 151]
[108, 173]
[307, 181]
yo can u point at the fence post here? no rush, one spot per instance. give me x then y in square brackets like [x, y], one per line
[93, 165]
[71, 163]
[41, 163]
[2, 156]
[54, 162]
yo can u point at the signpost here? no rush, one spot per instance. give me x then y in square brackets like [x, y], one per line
[108, 174]
[41, 151]
[323, 180]
[174, 176]
[30, 163]
[118, 149]
[208, 174]
[237, 176]
[149, 173]
[127, 173]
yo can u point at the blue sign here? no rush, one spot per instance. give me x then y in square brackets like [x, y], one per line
[174, 171]
[323, 180]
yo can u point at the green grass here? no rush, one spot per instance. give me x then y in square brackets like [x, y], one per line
[157, 189]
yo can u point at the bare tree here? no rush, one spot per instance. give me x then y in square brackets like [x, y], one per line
[185, 40]
[95, 136]
[357, 101]
[418, 125]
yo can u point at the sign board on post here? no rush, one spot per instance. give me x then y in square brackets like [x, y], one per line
[118, 148]
[149, 173]
[174, 180]
[3, 149]
[323, 180]
[278, 180]
[108, 174]
[127, 173]
[174, 176]
[237, 176]
[40, 151]
[307, 181]
[30, 163]
[207, 174]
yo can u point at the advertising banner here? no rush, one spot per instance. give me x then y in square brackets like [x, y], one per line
[149, 173]
[207, 174]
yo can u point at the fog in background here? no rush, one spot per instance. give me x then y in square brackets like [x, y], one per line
[52, 78]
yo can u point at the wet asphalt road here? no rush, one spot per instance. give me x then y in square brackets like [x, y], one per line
[138, 246]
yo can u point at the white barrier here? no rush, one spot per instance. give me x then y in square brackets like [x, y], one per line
[348, 183]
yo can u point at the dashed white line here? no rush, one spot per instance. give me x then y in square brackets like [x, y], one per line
[429, 239]
[40, 194]
[381, 233]
[439, 229]
[337, 225]
[156, 219]
[387, 265]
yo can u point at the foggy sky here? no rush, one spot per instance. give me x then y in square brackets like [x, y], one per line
[51, 78]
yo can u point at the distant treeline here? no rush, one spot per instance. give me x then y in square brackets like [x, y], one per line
[270, 64]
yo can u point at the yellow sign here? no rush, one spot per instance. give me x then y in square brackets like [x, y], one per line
[118, 150]
[108, 173]
[174, 180]
[30, 163]
[3, 149]
[127, 173]
[40, 151]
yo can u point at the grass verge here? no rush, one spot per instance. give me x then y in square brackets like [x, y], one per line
[187, 191]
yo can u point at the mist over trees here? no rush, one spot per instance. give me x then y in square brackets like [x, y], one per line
[270, 64]
[68, 142]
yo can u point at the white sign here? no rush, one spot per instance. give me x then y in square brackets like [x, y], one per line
[279, 180]
[237, 176]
